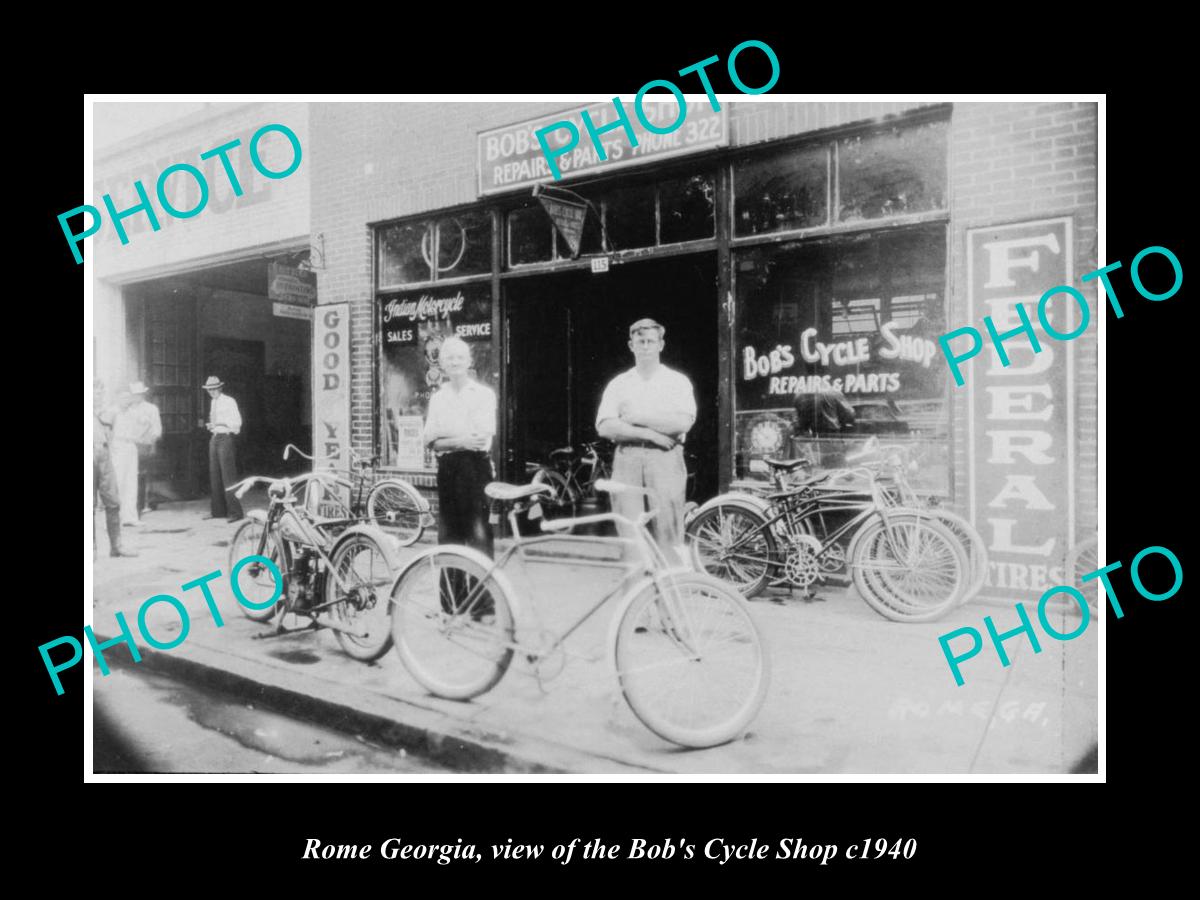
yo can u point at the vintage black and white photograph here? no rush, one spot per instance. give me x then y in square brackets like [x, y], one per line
[667, 436]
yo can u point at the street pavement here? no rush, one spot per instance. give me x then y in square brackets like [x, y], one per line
[850, 691]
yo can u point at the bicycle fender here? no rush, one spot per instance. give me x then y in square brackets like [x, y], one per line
[734, 498]
[498, 577]
[382, 538]
[898, 512]
[257, 515]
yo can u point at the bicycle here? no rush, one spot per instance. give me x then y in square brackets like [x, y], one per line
[688, 657]
[335, 571]
[903, 563]
[892, 464]
[571, 477]
[394, 505]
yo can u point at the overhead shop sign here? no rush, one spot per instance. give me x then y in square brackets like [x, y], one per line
[511, 157]
[290, 285]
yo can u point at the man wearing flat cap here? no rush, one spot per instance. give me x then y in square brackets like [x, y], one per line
[647, 412]
[224, 421]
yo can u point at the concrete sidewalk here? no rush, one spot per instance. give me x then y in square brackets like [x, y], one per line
[850, 691]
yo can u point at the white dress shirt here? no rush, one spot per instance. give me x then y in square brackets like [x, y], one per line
[140, 424]
[454, 414]
[224, 416]
[666, 392]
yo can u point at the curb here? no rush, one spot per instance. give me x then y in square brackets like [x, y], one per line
[390, 722]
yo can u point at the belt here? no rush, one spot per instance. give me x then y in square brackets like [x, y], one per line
[647, 445]
[473, 452]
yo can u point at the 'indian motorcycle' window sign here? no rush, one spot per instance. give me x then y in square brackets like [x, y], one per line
[1020, 417]
[413, 325]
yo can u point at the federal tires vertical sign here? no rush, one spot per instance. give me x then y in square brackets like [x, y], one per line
[331, 386]
[1021, 415]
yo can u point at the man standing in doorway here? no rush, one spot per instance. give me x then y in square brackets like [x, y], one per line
[647, 412]
[104, 478]
[141, 424]
[224, 421]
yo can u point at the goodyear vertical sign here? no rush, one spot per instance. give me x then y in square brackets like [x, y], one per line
[331, 386]
[1021, 455]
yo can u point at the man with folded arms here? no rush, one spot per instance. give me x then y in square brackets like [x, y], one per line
[647, 412]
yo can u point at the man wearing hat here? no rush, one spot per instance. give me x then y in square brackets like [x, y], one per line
[224, 421]
[647, 412]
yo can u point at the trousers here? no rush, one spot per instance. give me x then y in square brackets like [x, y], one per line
[104, 479]
[463, 508]
[222, 475]
[664, 474]
[125, 462]
[463, 519]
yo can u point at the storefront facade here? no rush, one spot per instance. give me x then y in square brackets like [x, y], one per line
[803, 258]
[225, 292]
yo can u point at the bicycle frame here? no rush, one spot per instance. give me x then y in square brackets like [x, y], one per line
[796, 506]
[651, 562]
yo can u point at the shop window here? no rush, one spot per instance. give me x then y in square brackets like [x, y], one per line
[629, 217]
[530, 236]
[412, 326]
[836, 343]
[465, 244]
[404, 254]
[781, 191]
[686, 209]
[892, 173]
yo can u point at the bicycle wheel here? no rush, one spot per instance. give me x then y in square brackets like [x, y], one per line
[397, 508]
[362, 596]
[562, 504]
[731, 543]
[452, 625]
[910, 569]
[255, 580]
[972, 542]
[690, 661]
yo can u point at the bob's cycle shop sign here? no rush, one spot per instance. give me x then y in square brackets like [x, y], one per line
[1020, 416]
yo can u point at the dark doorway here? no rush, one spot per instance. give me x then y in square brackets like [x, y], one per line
[240, 364]
[568, 335]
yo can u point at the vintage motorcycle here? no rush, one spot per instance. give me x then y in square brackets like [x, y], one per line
[337, 572]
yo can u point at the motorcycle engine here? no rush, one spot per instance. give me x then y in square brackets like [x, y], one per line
[302, 586]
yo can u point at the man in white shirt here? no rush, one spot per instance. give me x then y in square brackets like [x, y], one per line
[136, 428]
[224, 422]
[647, 412]
[459, 428]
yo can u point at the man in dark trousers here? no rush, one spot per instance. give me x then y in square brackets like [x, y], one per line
[104, 477]
[224, 422]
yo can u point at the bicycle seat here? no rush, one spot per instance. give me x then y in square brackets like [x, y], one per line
[562, 451]
[499, 490]
[787, 465]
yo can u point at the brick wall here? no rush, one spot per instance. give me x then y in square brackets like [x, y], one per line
[1015, 161]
